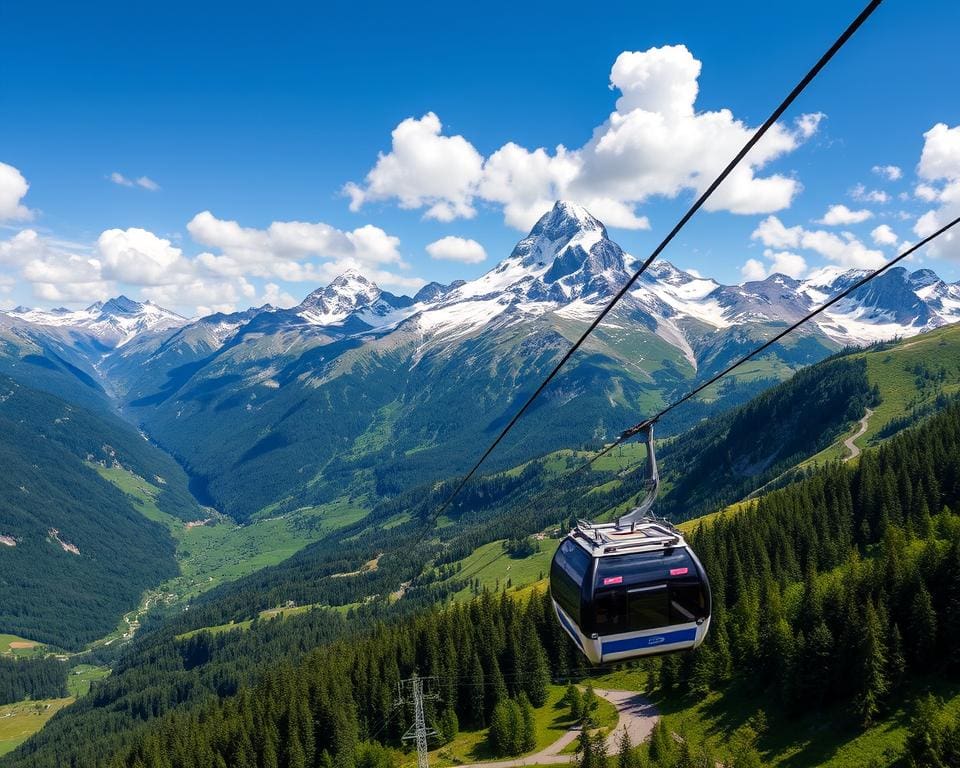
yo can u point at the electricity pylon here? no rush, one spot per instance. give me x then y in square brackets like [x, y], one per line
[411, 692]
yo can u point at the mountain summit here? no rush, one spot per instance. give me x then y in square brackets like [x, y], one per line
[346, 293]
[112, 323]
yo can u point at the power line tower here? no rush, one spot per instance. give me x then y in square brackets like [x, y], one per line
[411, 691]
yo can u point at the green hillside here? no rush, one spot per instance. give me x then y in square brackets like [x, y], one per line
[303, 418]
[834, 601]
[77, 553]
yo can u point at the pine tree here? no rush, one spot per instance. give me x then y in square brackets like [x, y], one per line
[574, 700]
[872, 683]
[745, 754]
[896, 662]
[477, 713]
[496, 686]
[625, 755]
[600, 749]
[923, 629]
[585, 751]
[925, 735]
[536, 668]
[529, 726]
[506, 729]
[662, 745]
[951, 616]
[449, 725]
[589, 705]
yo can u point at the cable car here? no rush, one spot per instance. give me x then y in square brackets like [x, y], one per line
[630, 588]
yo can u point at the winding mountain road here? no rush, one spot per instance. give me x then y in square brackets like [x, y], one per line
[636, 713]
[849, 443]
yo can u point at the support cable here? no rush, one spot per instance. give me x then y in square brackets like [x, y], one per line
[749, 145]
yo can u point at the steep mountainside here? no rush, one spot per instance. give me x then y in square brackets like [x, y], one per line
[75, 554]
[359, 389]
[816, 587]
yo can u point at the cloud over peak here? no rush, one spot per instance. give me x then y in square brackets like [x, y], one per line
[654, 143]
[457, 249]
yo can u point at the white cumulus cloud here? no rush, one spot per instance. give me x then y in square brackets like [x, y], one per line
[939, 168]
[297, 251]
[753, 269]
[13, 188]
[778, 262]
[889, 172]
[883, 235]
[424, 168]
[274, 295]
[452, 248]
[138, 257]
[844, 248]
[840, 215]
[655, 143]
[55, 272]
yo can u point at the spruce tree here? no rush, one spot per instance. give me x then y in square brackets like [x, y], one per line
[477, 712]
[536, 668]
[871, 670]
[529, 726]
[585, 749]
[923, 629]
[625, 755]
[589, 705]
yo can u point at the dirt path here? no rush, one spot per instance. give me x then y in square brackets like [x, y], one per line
[637, 715]
[849, 443]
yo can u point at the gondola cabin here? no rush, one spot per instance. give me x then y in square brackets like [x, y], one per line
[625, 592]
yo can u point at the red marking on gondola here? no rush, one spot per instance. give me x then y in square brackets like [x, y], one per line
[679, 571]
[613, 580]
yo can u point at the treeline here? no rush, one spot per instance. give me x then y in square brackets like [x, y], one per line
[823, 537]
[839, 587]
[489, 660]
[724, 459]
[501, 506]
[813, 586]
[162, 673]
[20, 679]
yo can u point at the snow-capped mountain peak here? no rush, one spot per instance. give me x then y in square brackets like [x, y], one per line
[121, 305]
[346, 293]
[113, 322]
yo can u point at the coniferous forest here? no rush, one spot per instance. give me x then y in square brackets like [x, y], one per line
[42, 678]
[838, 590]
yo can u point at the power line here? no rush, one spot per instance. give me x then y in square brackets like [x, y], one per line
[637, 428]
[749, 145]
[410, 691]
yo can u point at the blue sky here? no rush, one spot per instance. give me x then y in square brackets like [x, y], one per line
[260, 115]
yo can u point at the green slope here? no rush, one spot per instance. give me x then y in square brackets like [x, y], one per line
[82, 553]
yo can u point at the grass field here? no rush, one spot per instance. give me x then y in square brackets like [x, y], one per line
[20, 721]
[494, 567]
[81, 677]
[902, 389]
[20, 647]
[223, 551]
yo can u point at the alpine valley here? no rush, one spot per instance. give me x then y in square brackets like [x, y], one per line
[234, 519]
[271, 410]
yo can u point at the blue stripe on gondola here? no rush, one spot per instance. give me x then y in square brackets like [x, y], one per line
[650, 641]
[573, 633]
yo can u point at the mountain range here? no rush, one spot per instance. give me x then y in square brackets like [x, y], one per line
[359, 388]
